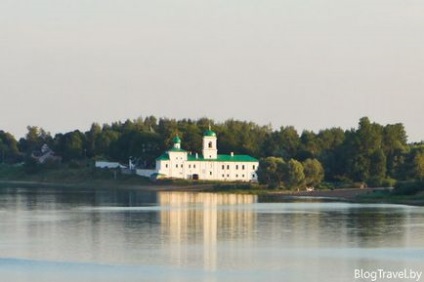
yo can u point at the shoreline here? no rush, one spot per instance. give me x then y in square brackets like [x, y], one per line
[351, 195]
[110, 185]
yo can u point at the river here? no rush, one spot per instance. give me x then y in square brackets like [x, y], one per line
[64, 234]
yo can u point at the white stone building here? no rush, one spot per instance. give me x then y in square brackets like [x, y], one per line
[178, 163]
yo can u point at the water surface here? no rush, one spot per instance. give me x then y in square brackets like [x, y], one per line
[56, 234]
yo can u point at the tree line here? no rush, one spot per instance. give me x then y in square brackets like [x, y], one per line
[371, 153]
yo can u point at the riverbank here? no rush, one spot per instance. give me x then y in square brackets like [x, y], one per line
[88, 177]
[109, 179]
[347, 194]
[352, 195]
[110, 185]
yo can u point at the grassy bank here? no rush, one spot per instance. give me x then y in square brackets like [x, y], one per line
[241, 188]
[92, 177]
[391, 197]
[66, 175]
[89, 176]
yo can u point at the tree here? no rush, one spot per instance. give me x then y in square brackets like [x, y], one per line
[334, 153]
[314, 172]
[395, 148]
[370, 136]
[168, 129]
[151, 123]
[271, 171]
[284, 143]
[143, 147]
[9, 151]
[359, 168]
[419, 166]
[70, 145]
[105, 140]
[34, 139]
[191, 136]
[91, 139]
[363, 154]
[295, 174]
[309, 147]
[378, 167]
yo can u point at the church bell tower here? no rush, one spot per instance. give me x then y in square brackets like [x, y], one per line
[210, 150]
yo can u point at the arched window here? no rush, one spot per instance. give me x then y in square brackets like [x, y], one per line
[210, 144]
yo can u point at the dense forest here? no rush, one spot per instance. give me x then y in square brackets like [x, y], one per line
[372, 154]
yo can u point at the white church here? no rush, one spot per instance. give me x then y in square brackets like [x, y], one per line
[178, 163]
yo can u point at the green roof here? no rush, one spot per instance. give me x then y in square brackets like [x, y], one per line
[220, 158]
[209, 133]
[176, 150]
[176, 139]
[163, 157]
[224, 158]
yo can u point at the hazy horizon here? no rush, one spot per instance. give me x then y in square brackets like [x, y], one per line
[308, 64]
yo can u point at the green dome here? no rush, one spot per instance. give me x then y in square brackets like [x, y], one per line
[176, 140]
[209, 133]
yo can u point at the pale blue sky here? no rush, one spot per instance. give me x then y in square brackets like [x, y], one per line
[313, 64]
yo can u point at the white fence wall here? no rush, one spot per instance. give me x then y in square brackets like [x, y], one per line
[145, 172]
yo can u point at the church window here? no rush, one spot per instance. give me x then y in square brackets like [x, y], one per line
[228, 166]
[210, 172]
[242, 167]
[166, 165]
[176, 165]
[210, 144]
[223, 166]
[236, 166]
[254, 166]
[194, 166]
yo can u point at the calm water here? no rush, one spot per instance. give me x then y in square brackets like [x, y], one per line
[117, 235]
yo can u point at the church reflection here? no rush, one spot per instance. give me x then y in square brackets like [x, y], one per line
[204, 219]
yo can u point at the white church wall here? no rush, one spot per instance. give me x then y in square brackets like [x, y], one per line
[206, 168]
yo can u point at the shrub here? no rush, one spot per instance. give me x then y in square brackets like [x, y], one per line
[388, 182]
[381, 182]
[408, 188]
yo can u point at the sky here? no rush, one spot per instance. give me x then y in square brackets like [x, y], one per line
[311, 64]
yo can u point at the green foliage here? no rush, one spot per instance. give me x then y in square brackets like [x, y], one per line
[378, 164]
[388, 182]
[295, 174]
[276, 173]
[408, 188]
[372, 153]
[314, 172]
[11, 172]
[395, 147]
[419, 166]
[272, 171]
[31, 166]
[34, 139]
[9, 151]
[238, 187]
[71, 145]
[284, 143]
